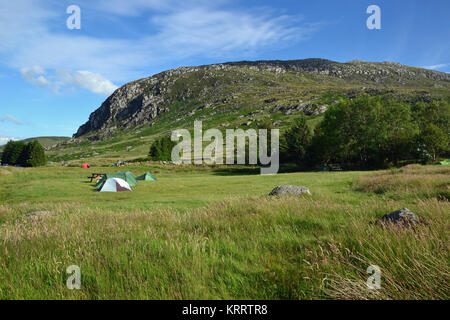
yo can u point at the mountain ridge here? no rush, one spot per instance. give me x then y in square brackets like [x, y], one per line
[143, 101]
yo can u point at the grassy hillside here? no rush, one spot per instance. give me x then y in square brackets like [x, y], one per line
[200, 233]
[236, 95]
[46, 142]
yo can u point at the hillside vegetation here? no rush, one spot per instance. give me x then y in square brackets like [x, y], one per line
[242, 94]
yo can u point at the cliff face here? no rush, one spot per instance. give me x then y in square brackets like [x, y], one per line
[143, 101]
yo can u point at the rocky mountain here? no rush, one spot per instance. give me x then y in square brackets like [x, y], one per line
[249, 87]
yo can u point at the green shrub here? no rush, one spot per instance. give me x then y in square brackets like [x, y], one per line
[161, 149]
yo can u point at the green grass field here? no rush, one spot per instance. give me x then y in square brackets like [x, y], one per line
[205, 233]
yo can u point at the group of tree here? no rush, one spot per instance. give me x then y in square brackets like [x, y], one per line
[363, 132]
[29, 154]
[370, 132]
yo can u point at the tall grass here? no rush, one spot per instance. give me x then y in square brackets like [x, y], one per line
[412, 181]
[414, 262]
[253, 247]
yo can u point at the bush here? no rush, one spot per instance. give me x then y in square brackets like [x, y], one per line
[296, 141]
[161, 149]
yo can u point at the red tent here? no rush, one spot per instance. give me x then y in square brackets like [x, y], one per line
[85, 165]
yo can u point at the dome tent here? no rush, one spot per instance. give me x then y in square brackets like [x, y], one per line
[114, 185]
[147, 177]
[127, 176]
[86, 165]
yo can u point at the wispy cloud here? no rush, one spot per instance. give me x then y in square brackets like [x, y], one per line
[10, 118]
[437, 66]
[35, 75]
[220, 32]
[179, 30]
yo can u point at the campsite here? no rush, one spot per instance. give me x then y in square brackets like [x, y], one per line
[245, 154]
[204, 232]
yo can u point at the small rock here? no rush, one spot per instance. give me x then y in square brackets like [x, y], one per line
[39, 213]
[289, 190]
[403, 216]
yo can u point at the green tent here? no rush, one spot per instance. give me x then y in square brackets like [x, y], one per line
[445, 162]
[127, 176]
[147, 177]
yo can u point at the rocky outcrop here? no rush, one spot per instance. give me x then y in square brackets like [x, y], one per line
[374, 71]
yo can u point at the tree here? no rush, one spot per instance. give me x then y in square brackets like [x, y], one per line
[24, 155]
[296, 141]
[35, 155]
[161, 149]
[433, 140]
[401, 133]
[436, 112]
[6, 155]
[12, 152]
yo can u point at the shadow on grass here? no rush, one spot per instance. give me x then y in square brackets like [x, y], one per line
[240, 170]
[230, 171]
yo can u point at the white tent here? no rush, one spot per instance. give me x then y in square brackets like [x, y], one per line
[114, 185]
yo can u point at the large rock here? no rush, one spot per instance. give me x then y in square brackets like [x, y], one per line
[403, 216]
[39, 213]
[289, 190]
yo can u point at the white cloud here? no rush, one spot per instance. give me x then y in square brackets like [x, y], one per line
[4, 140]
[179, 30]
[8, 117]
[35, 75]
[91, 81]
[436, 66]
[63, 79]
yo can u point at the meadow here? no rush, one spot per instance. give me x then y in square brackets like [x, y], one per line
[213, 233]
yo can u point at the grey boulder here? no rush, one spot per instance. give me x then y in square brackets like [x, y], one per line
[39, 213]
[403, 216]
[289, 190]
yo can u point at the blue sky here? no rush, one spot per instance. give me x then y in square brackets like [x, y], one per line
[52, 78]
